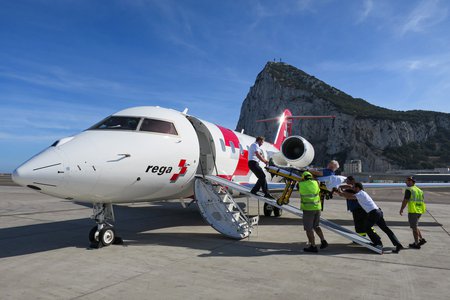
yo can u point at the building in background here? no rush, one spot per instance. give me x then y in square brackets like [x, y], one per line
[353, 166]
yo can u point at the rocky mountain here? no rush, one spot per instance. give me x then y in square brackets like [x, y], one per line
[382, 138]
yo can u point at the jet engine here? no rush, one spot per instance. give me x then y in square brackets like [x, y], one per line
[295, 151]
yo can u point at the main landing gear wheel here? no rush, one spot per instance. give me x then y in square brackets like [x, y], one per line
[277, 212]
[267, 209]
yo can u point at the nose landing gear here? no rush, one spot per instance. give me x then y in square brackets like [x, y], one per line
[103, 234]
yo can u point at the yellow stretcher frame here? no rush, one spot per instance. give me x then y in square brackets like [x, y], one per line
[291, 180]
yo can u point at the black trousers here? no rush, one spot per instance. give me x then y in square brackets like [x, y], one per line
[359, 218]
[376, 217]
[262, 182]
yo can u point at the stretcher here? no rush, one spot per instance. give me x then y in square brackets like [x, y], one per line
[291, 178]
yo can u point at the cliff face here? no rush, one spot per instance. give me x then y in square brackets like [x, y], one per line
[360, 130]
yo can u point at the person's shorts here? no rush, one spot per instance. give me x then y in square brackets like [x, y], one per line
[311, 219]
[413, 220]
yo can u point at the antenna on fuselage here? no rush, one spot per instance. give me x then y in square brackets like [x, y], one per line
[185, 111]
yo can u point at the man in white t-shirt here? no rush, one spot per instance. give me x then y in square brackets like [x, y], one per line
[255, 155]
[374, 216]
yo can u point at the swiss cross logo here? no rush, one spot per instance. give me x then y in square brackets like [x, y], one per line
[183, 170]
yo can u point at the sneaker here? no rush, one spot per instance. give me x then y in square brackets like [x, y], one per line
[323, 244]
[311, 249]
[398, 248]
[414, 246]
[422, 242]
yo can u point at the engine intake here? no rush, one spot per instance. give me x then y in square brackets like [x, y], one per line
[295, 151]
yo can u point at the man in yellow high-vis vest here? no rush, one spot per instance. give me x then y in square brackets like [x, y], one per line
[416, 207]
[311, 206]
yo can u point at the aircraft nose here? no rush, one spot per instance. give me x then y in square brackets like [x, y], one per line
[16, 177]
[43, 171]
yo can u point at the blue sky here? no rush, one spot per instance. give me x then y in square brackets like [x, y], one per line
[66, 64]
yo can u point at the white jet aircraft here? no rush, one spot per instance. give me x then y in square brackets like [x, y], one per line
[144, 154]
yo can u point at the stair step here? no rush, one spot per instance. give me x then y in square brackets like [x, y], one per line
[236, 215]
[222, 212]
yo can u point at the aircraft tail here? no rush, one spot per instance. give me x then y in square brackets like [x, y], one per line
[284, 128]
[285, 125]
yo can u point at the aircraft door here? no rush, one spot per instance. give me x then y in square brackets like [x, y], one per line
[207, 149]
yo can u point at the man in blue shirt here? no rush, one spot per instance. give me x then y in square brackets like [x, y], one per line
[328, 171]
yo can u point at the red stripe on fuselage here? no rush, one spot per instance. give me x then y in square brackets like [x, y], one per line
[230, 136]
[242, 166]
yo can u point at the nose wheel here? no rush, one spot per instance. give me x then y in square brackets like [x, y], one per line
[103, 234]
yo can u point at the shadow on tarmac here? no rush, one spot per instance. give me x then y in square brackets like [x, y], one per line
[136, 223]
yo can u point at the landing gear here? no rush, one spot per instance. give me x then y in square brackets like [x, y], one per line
[268, 209]
[103, 234]
[277, 212]
[107, 236]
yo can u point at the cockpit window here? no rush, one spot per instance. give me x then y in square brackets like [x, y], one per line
[158, 126]
[117, 123]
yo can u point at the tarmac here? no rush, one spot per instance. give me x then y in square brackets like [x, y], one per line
[169, 252]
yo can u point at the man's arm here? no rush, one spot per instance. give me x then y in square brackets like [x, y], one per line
[316, 172]
[260, 157]
[345, 186]
[405, 201]
[347, 195]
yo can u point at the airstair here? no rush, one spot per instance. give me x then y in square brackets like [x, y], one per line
[220, 210]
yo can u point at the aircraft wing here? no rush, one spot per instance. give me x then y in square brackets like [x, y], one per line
[402, 185]
[334, 181]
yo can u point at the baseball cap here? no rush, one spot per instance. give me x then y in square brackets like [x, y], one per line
[411, 178]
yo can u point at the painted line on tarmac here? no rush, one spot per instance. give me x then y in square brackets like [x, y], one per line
[442, 226]
[395, 263]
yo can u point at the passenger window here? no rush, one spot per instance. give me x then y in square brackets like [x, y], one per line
[158, 126]
[117, 123]
[241, 150]
[233, 149]
[222, 144]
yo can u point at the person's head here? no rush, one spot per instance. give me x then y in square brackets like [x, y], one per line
[260, 140]
[333, 165]
[306, 175]
[350, 180]
[410, 181]
[358, 187]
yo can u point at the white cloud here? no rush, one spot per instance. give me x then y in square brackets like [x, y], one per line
[426, 14]
[4, 136]
[57, 78]
[439, 63]
[367, 8]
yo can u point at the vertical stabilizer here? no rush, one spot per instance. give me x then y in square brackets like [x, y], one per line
[284, 128]
[285, 125]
